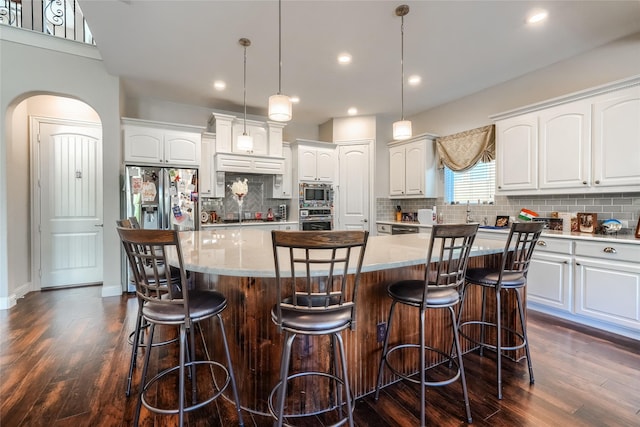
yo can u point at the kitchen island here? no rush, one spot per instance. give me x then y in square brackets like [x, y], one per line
[239, 263]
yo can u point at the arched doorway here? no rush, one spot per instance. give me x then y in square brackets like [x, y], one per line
[48, 128]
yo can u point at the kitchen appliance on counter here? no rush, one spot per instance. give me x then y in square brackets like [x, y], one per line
[161, 198]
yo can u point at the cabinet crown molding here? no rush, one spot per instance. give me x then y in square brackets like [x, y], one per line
[127, 121]
[563, 99]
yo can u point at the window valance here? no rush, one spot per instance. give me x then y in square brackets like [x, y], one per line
[461, 151]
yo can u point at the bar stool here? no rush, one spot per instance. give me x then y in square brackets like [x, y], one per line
[136, 336]
[510, 276]
[147, 252]
[445, 266]
[317, 275]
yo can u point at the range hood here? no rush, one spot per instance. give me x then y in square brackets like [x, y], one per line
[229, 162]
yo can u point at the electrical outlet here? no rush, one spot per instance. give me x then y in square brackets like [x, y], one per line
[382, 329]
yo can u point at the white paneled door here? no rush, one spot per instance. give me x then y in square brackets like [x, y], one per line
[354, 186]
[70, 202]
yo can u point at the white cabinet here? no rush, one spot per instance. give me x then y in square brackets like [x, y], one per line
[608, 282]
[256, 130]
[550, 277]
[565, 146]
[616, 139]
[383, 229]
[267, 135]
[205, 173]
[316, 161]
[412, 168]
[517, 153]
[147, 142]
[588, 142]
[282, 187]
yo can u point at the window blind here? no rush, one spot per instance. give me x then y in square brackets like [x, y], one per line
[475, 185]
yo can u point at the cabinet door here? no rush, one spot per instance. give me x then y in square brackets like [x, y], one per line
[616, 139]
[143, 145]
[517, 154]
[259, 135]
[549, 280]
[205, 173]
[608, 291]
[396, 171]
[307, 164]
[415, 168]
[182, 148]
[325, 165]
[565, 146]
[287, 179]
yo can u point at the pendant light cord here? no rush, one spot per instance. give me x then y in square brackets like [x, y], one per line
[244, 132]
[279, 47]
[402, 66]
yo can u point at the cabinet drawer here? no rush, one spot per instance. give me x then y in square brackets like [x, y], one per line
[608, 250]
[384, 229]
[545, 244]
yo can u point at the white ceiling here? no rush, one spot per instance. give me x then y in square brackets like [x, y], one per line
[174, 50]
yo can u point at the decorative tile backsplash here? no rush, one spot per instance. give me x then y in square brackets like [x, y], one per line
[621, 206]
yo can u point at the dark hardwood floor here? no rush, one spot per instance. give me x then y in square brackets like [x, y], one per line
[64, 360]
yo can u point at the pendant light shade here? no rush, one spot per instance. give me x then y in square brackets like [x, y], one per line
[402, 128]
[280, 109]
[244, 141]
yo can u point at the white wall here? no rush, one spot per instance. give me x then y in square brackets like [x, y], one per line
[32, 64]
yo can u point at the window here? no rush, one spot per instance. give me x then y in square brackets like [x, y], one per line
[473, 185]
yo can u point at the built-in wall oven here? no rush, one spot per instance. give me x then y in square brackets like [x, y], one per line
[316, 219]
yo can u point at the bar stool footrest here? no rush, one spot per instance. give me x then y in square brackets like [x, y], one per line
[219, 392]
[410, 376]
[522, 342]
[333, 407]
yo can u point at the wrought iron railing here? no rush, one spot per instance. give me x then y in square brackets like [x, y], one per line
[59, 18]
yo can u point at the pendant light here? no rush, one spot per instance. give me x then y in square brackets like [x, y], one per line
[245, 142]
[402, 128]
[280, 105]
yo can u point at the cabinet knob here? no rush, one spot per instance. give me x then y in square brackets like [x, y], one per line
[542, 243]
[584, 182]
[565, 262]
[609, 250]
[499, 187]
[597, 181]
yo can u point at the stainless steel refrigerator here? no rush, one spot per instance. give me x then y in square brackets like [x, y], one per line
[161, 198]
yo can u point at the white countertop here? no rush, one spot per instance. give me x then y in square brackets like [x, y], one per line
[247, 251]
[620, 238]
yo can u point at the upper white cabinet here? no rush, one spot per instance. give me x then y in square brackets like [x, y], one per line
[316, 161]
[147, 142]
[517, 153]
[282, 187]
[412, 168]
[588, 143]
[616, 138]
[267, 136]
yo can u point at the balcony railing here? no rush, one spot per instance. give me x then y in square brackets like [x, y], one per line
[58, 18]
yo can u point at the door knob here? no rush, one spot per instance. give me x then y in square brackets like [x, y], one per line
[98, 225]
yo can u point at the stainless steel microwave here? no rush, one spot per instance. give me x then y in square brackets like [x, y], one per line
[316, 194]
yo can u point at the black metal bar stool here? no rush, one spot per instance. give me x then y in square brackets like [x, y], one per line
[317, 274]
[137, 336]
[445, 266]
[510, 276]
[147, 252]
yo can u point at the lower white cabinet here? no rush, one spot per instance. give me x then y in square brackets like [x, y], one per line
[608, 282]
[550, 277]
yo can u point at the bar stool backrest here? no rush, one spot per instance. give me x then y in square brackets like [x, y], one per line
[318, 271]
[522, 240]
[147, 252]
[448, 256]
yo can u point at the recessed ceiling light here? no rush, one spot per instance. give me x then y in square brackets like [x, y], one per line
[414, 80]
[352, 111]
[294, 99]
[219, 85]
[344, 58]
[537, 16]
